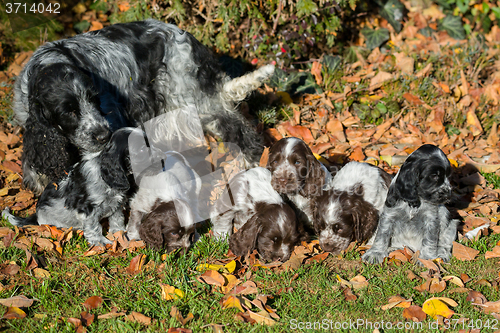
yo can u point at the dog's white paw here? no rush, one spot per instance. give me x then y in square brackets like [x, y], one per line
[373, 257]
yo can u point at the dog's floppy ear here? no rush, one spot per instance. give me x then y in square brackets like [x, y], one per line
[150, 231]
[365, 222]
[112, 170]
[245, 239]
[315, 177]
[405, 186]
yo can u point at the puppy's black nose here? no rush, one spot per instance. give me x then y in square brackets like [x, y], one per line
[327, 246]
[103, 135]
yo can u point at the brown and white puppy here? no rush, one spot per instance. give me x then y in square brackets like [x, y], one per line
[297, 174]
[162, 229]
[351, 208]
[263, 220]
[273, 230]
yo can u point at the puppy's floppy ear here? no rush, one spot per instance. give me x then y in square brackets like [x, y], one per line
[112, 170]
[245, 239]
[150, 231]
[365, 222]
[405, 186]
[315, 177]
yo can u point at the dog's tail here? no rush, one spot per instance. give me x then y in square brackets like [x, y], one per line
[238, 89]
[19, 221]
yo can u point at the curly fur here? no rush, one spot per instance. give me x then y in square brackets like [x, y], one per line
[138, 70]
[414, 214]
[94, 188]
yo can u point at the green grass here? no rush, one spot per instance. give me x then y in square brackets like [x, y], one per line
[309, 294]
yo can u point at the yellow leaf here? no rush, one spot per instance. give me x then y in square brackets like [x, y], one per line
[262, 317]
[169, 292]
[343, 282]
[204, 267]
[453, 163]
[285, 97]
[41, 273]
[14, 313]
[232, 282]
[4, 191]
[231, 266]
[435, 307]
[232, 302]
[321, 159]
[454, 279]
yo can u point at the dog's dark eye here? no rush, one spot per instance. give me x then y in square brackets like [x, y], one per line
[275, 239]
[274, 162]
[336, 228]
[435, 177]
[298, 162]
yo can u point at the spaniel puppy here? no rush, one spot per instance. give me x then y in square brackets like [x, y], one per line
[164, 228]
[127, 74]
[94, 188]
[350, 210]
[414, 214]
[263, 220]
[164, 210]
[297, 174]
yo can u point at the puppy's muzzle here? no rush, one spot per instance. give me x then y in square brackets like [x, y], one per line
[102, 135]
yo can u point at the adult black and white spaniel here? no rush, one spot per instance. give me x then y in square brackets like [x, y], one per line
[350, 209]
[263, 220]
[73, 91]
[297, 174]
[414, 214]
[164, 211]
[94, 188]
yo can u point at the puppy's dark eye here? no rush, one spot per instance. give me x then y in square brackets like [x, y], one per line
[336, 228]
[298, 162]
[275, 239]
[274, 162]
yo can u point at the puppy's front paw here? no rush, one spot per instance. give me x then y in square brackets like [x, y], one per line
[373, 257]
[445, 255]
[98, 240]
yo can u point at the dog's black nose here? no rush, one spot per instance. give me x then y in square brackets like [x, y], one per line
[103, 135]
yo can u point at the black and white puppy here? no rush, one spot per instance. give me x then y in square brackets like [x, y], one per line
[414, 214]
[263, 220]
[164, 211]
[127, 73]
[297, 174]
[351, 208]
[94, 188]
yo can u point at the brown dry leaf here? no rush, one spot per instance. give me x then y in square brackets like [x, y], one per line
[348, 295]
[381, 129]
[20, 301]
[316, 71]
[11, 269]
[93, 302]
[213, 278]
[136, 264]
[232, 302]
[14, 313]
[298, 131]
[404, 63]
[412, 99]
[455, 280]
[397, 301]
[495, 253]
[94, 250]
[87, 318]
[379, 79]
[232, 282]
[244, 317]
[262, 317]
[247, 288]
[474, 124]
[490, 307]
[464, 277]
[414, 313]
[359, 282]
[13, 167]
[179, 330]
[335, 128]
[41, 273]
[436, 286]
[264, 157]
[95, 25]
[113, 314]
[429, 264]
[174, 312]
[215, 327]
[357, 154]
[464, 253]
[45, 243]
[476, 297]
[317, 258]
[411, 275]
[139, 318]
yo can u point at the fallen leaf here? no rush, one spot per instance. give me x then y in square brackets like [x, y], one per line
[113, 314]
[232, 302]
[379, 79]
[455, 280]
[359, 282]
[435, 307]
[429, 264]
[412, 99]
[174, 312]
[464, 253]
[20, 301]
[41, 273]
[213, 278]
[476, 297]
[14, 313]
[232, 281]
[317, 258]
[490, 307]
[95, 25]
[357, 154]
[316, 71]
[264, 158]
[414, 313]
[93, 302]
[262, 317]
[169, 292]
[335, 128]
[11, 269]
[348, 295]
[495, 253]
[123, 6]
[87, 318]
[136, 264]
[94, 250]
[179, 330]
[139, 318]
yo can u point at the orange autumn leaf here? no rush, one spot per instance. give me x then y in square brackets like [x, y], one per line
[136, 264]
[174, 312]
[412, 99]
[316, 71]
[414, 313]
[298, 131]
[264, 157]
[213, 278]
[93, 302]
[123, 6]
[139, 318]
[334, 127]
[232, 302]
[495, 253]
[95, 25]
[357, 154]
[169, 292]
[464, 253]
